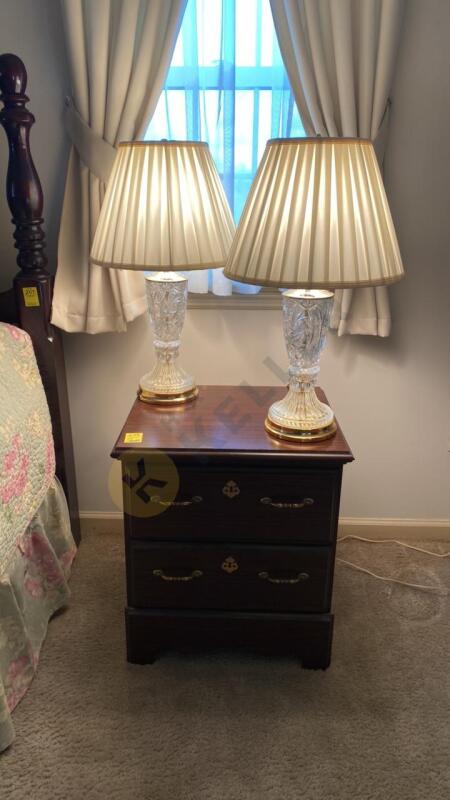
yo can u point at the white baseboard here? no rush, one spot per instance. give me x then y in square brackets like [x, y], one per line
[101, 522]
[437, 530]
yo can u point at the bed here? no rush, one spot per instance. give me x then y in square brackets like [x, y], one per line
[39, 520]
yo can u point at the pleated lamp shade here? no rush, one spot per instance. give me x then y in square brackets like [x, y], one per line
[164, 209]
[316, 216]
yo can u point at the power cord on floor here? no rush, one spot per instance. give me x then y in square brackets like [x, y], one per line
[436, 590]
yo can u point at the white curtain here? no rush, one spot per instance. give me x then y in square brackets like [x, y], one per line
[119, 52]
[340, 58]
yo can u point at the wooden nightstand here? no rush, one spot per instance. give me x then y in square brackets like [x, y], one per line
[229, 535]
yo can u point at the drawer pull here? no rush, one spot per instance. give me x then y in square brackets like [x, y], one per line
[307, 501]
[159, 573]
[155, 498]
[302, 576]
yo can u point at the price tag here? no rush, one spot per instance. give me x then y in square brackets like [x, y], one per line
[30, 296]
[133, 438]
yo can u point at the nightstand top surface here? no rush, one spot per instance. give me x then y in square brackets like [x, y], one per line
[223, 420]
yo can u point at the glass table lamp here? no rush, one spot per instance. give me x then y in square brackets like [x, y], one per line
[164, 210]
[316, 219]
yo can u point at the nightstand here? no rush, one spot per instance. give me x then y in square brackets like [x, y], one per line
[229, 535]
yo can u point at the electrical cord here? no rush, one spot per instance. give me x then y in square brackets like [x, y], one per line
[433, 589]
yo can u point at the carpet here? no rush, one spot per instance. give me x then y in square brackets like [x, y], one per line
[374, 726]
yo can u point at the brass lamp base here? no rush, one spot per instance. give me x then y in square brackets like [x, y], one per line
[292, 435]
[167, 399]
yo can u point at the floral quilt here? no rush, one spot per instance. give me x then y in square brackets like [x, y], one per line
[33, 585]
[36, 543]
[27, 458]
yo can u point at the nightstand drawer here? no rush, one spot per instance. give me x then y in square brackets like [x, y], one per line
[229, 577]
[261, 504]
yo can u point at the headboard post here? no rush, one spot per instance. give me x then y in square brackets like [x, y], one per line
[33, 285]
[23, 187]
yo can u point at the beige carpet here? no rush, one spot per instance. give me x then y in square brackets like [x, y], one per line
[237, 727]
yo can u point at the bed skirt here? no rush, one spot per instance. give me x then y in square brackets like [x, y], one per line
[33, 585]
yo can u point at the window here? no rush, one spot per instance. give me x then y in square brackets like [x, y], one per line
[227, 85]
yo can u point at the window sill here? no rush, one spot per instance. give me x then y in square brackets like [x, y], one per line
[265, 300]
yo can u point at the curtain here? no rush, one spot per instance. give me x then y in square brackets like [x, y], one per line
[340, 58]
[227, 85]
[119, 52]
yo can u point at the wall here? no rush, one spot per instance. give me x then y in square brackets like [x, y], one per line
[392, 396]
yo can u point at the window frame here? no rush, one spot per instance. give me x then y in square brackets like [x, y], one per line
[251, 78]
[248, 77]
[267, 299]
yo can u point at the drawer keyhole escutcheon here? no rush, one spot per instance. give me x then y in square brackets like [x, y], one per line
[159, 573]
[230, 565]
[231, 489]
[302, 576]
[267, 501]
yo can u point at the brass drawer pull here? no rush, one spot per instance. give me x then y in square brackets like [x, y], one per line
[155, 498]
[159, 573]
[302, 576]
[307, 501]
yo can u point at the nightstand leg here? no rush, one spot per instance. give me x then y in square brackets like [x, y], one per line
[318, 654]
[316, 662]
[141, 660]
[138, 651]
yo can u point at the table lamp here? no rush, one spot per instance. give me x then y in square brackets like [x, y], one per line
[165, 210]
[316, 219]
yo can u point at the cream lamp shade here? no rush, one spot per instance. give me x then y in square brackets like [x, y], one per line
[164, 209]
[316, 217]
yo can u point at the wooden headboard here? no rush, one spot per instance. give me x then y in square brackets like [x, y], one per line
[28, 303]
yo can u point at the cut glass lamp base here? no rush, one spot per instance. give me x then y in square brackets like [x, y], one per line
[300, 416]
[167, 383]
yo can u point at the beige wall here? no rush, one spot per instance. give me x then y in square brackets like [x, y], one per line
[392, 396]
